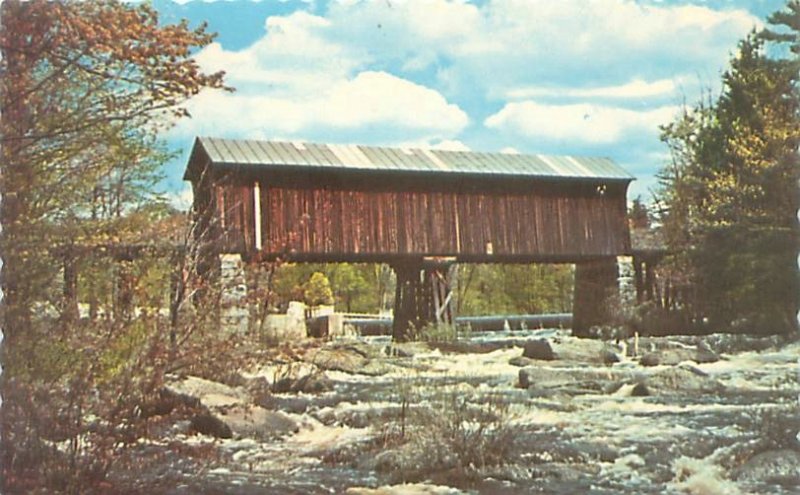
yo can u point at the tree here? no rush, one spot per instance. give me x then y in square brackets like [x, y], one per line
[515, 289]
[85, 88]
[349, 284]
[638, 214]
[318, 290]
[729, 194]
[784, 28]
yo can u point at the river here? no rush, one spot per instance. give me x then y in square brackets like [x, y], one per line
[581, 426]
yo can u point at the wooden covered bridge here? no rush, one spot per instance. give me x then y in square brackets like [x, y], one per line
[418, 210]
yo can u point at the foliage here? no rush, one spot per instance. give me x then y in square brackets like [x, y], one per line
[349, 284]
[729, 196]
[445, 429]
[318, 290]
[482, 289]
[357, 287]
[638, 214]
[86, 86]
[514, 289]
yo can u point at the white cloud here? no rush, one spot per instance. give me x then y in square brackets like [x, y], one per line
[378, 97]
[636, 88]
[405, 71]
[370, 99]
[579, 122]
[450, 145]
[181, 200]
[507, 44]
[299, 79]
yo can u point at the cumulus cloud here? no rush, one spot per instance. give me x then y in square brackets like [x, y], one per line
[296, 80]
[636, 88]
[369, 99]
[578, 122]
[502, 45]
[410, 71]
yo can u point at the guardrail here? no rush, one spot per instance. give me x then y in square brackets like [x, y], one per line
[376, 325]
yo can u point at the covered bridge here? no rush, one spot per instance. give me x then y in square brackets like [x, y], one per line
[419, 210]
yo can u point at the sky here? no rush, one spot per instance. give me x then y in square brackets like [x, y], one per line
[565, 77]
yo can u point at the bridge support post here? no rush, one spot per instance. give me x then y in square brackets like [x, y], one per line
[423, 296]
[595, 287]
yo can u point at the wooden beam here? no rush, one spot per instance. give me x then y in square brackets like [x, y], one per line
[257, 213]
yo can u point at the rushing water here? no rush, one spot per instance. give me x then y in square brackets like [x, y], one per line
[596, 439]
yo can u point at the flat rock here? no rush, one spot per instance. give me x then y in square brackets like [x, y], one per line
[572, 379]
[579, 350]
[195, 391]
[522, 361]
[256, 422]
[682, 378]
[678, 354]
[781, 465]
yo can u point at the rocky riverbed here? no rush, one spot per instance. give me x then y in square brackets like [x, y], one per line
[510, 412]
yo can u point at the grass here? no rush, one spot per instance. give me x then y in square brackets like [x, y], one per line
[447, 429]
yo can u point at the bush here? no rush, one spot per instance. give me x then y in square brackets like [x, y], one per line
[445, 429]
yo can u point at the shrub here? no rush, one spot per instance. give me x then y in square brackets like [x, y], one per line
[444, 428]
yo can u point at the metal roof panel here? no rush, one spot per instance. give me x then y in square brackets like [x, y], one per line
[276, 154]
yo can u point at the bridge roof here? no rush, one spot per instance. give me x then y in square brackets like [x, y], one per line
[280, 154]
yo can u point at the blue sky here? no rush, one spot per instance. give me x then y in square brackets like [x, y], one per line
[579, 77]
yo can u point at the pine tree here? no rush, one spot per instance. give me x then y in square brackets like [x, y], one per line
[730, 193]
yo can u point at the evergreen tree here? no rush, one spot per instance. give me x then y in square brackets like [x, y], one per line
[730, 193]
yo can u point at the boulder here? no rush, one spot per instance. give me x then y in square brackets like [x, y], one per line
[224, 412]
[683, 378]
[773, 466]
[609, 357]
[640, 390]
[199, 392]
[256, 422]
[538, 349]
[650, 359]
[355, 358]
[579, 350]
[573, 380]
[313, 383]
[677, 355]
[339, 360]
[208, 424]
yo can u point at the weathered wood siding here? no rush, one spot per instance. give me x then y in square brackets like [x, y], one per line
[547, 223]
